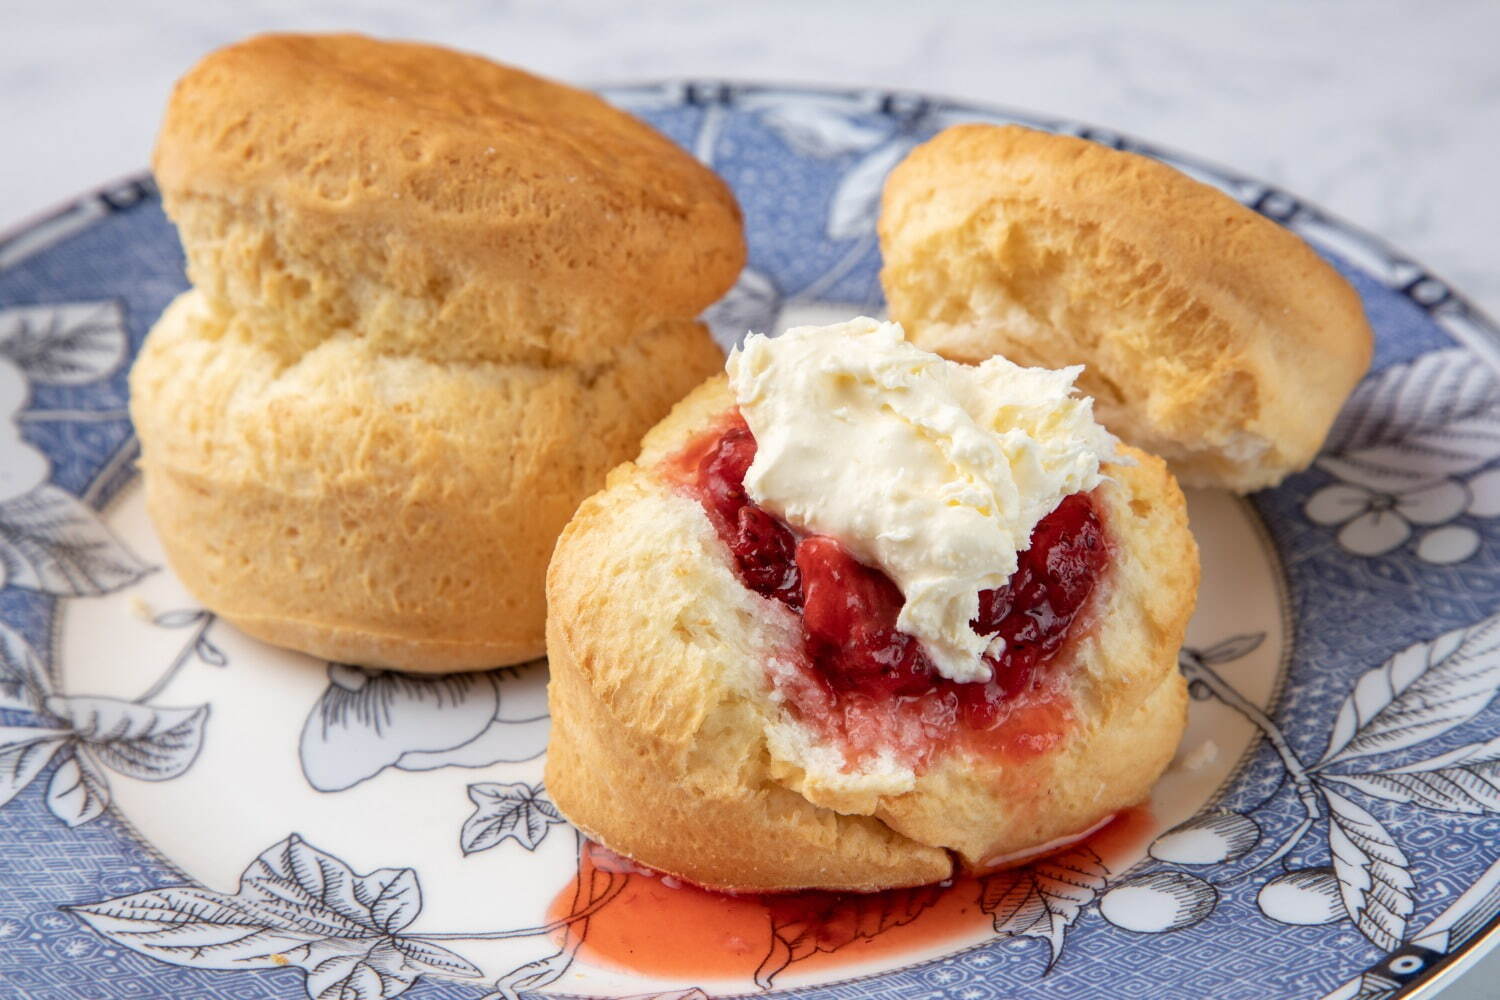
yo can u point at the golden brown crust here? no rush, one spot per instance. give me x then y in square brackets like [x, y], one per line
[384, 510]
[1211, 335]
[666, 746]
[435, 201]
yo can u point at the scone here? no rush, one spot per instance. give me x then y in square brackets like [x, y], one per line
[864, 617]
[1211, 335]
[435, 300]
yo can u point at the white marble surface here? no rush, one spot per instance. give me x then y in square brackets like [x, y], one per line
[1385, 113]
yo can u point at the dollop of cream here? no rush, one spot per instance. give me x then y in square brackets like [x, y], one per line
[933, 471]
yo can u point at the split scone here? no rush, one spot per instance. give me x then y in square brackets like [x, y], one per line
[858, 615]
[436, 299]
[1212, 336]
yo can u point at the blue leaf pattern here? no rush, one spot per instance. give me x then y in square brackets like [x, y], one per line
[1417, 423]
[78, 791]
[53, 542]
[23, 681]
[316, 890]
[1470, 754]
[296, 905]
[377, 974]
[24, 756]
[1372, 872]
[64, 344]
[1471, 790]
[1044, 899]
[139, 741]
[84, 734]
[1421, 692]
[517, 810]
[434, 957]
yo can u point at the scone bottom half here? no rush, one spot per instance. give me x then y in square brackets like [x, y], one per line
[435, 300]
[694, 731]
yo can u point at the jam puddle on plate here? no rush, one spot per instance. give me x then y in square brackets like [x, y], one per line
[658, 926]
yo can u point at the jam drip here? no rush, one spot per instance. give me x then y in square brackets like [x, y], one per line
[863, 679]
[660, 926]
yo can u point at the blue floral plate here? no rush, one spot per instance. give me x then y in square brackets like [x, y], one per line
[187, 812]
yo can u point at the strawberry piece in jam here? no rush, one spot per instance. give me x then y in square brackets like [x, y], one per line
[764, 548]
[863, 678]
[849, 624]
[1035, 608]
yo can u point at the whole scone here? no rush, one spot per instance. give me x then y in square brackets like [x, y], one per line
[671, 744]
[435, 300]
[1211, 336]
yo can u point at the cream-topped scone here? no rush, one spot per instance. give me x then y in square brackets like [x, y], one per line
[857, 615]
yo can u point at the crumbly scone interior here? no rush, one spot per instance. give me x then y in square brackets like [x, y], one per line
[1212, 336]
[1000, 271]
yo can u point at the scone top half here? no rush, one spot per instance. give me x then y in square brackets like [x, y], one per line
[1211, 336]
[728, 719]
[437, 202]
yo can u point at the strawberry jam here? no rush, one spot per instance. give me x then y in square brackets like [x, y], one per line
[863, 680]
[648, 923]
